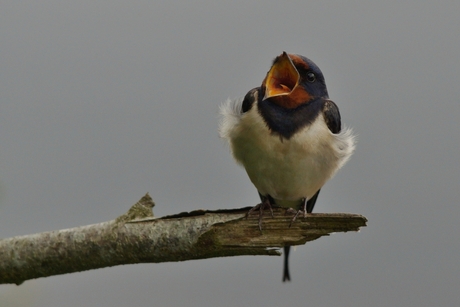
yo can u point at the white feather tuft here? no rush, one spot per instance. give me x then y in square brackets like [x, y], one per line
[230, 112]
[346, 142]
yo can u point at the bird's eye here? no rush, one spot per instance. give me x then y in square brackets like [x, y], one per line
[311, 77]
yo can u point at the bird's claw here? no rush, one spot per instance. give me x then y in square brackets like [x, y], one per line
[296, 214]
[261, 207]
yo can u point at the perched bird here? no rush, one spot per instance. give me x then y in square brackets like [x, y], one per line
[287, 134]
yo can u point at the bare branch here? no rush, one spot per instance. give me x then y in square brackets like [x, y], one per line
[139, 237]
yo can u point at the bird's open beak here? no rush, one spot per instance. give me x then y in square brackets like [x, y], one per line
[282, 78]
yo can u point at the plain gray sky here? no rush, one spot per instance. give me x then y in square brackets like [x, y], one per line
[103, 101]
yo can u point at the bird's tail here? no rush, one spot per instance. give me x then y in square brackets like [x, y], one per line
[286, 276]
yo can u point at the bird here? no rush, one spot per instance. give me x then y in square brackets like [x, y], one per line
[287, 135]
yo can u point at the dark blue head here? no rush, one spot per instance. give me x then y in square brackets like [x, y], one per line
[311, 77]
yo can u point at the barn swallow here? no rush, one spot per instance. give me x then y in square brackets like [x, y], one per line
[287, 135]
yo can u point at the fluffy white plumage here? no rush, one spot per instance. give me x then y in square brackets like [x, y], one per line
[288, 170]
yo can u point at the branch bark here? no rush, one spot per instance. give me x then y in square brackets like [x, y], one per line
[139, 237]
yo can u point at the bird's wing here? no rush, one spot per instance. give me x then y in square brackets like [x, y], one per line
[332, 116]
[312, 201]
[251, 97]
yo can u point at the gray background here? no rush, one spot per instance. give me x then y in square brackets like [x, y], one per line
[103, 101]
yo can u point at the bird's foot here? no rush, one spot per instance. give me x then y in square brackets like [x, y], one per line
[261, 207]
[297, 212]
